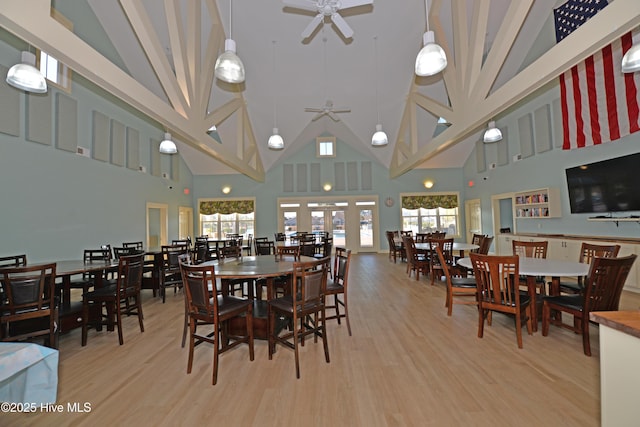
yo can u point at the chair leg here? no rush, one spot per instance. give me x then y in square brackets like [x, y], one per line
[139, 309]
[346, 313]
[216, 346]
[295, 345]
[481, 313]
[271, 322]
[192, 331]
[85, 319]
[119, 321]
[586, 344]
[249, 317]
[336, 302]
[325, 343]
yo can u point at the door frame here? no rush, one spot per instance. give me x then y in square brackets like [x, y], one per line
[164, 222]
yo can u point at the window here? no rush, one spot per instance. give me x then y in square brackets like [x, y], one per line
[221, 217]
[325, 146]
[435, 212]
[55, 71]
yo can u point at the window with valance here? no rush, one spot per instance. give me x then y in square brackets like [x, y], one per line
[218, 218]
[425, 213]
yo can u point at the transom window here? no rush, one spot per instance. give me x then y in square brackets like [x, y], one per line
[53, 70]
[325, 146]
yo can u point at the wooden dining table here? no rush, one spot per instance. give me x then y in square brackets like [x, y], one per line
[536, 267]
[252, 268]
[461, 247]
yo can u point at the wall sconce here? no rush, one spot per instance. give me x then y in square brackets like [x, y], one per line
[226, 189]
[327, 187]
[428, 184]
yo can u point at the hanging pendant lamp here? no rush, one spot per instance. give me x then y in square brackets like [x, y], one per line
[26, 76]
[167, 146]
[229, 67]
[431, 59]
[631, 59]
[492, 134]
[275, 140]
[379, 138]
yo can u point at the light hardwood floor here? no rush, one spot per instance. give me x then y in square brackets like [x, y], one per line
[407, 364]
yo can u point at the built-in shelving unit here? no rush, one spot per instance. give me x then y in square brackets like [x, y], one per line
[537, 204]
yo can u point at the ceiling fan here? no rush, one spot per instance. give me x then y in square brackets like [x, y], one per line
[327, 110]
[328, 8]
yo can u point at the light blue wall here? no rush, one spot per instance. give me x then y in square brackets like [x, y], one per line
[542, 170]
[266, 194]
[55, 203]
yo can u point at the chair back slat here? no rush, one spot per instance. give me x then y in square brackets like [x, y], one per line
[605, 282]
[530, 249]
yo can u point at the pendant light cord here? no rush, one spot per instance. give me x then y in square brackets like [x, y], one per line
[275, 91]
[375, 58]
[426, 12]
[231, 20]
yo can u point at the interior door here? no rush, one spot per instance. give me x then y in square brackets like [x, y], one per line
[157, 224]
[473, 218]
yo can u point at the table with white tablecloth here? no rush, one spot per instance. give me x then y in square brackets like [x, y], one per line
[28, 373]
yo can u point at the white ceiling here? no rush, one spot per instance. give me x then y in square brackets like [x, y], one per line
[307, 73]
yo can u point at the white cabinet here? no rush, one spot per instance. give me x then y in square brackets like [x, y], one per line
[537, 204]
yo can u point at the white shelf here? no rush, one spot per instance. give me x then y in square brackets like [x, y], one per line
[541, 203]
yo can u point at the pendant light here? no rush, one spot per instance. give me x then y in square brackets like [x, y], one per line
[379, 138]
[167, 146]
[492, 134]
[26, 76]
[631, 59]
[431, 59]
[275, 141]
[229, 67]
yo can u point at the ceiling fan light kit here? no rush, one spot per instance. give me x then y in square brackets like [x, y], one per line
[327, 8]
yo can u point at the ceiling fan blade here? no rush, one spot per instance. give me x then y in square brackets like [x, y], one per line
[313, 110]
[301, 4]
[317, 116]
[333, 116]
[346, 4]
[312, 25]
[341, 110]
[342, 25]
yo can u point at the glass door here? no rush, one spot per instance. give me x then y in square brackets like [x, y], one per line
[338, 228]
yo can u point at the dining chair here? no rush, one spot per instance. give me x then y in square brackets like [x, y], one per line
[588, 251]
[416, 261]
[395, 248]
[308, 246]
[121, 298]
[87, 280]
[170, 268]
[137, 245]
[422, 237]
[460, 290]
[279, 237]
[13, 261]
[485, 245]
[215, 310]
[339, 285]
[435, 267]
[264, 246]
[281, 284]
[248, 245]
[602, 289]
[305, 307]
[531, 250]
[29, 308]
[498, 290]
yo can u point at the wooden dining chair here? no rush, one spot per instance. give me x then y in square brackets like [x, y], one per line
[204, 309]
[305, 307]
[338, 287]
[588, 252]
[395, 248]
[170, 268]
[531, 250]
[281, 284]
[435, 267]
[121, 299]
[416, 260]
[498, 290]
[13, 261]
[460, 290]
[29, 309]
[602, 290]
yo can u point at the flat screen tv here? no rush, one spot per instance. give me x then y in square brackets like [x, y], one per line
[611, 185]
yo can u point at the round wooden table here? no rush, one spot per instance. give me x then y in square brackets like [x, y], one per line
[253, 268]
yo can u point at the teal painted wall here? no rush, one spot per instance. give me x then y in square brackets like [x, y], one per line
[546, 169]
[55, 203]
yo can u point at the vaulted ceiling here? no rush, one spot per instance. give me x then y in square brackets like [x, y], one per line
[158, 56]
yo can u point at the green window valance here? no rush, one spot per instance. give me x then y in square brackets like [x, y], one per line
[226, 207]
[447, 201]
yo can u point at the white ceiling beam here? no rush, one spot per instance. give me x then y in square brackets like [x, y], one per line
[479, 25]
[610, 23]
[179, 49]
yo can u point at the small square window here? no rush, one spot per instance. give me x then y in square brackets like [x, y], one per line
[326, 146]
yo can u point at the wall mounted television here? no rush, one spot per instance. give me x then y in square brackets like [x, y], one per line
[611, 185]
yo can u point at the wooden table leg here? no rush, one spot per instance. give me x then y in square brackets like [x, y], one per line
[531, 286]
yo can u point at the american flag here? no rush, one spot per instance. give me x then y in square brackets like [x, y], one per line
[599, 102]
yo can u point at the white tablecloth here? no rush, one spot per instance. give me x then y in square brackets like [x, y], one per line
[28, 373]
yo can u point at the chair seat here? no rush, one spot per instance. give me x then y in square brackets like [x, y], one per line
[286, 304]
[335, 288]
[574, 302]
[104, 291]
[229, 304]
[463, 282]
[571, 287]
